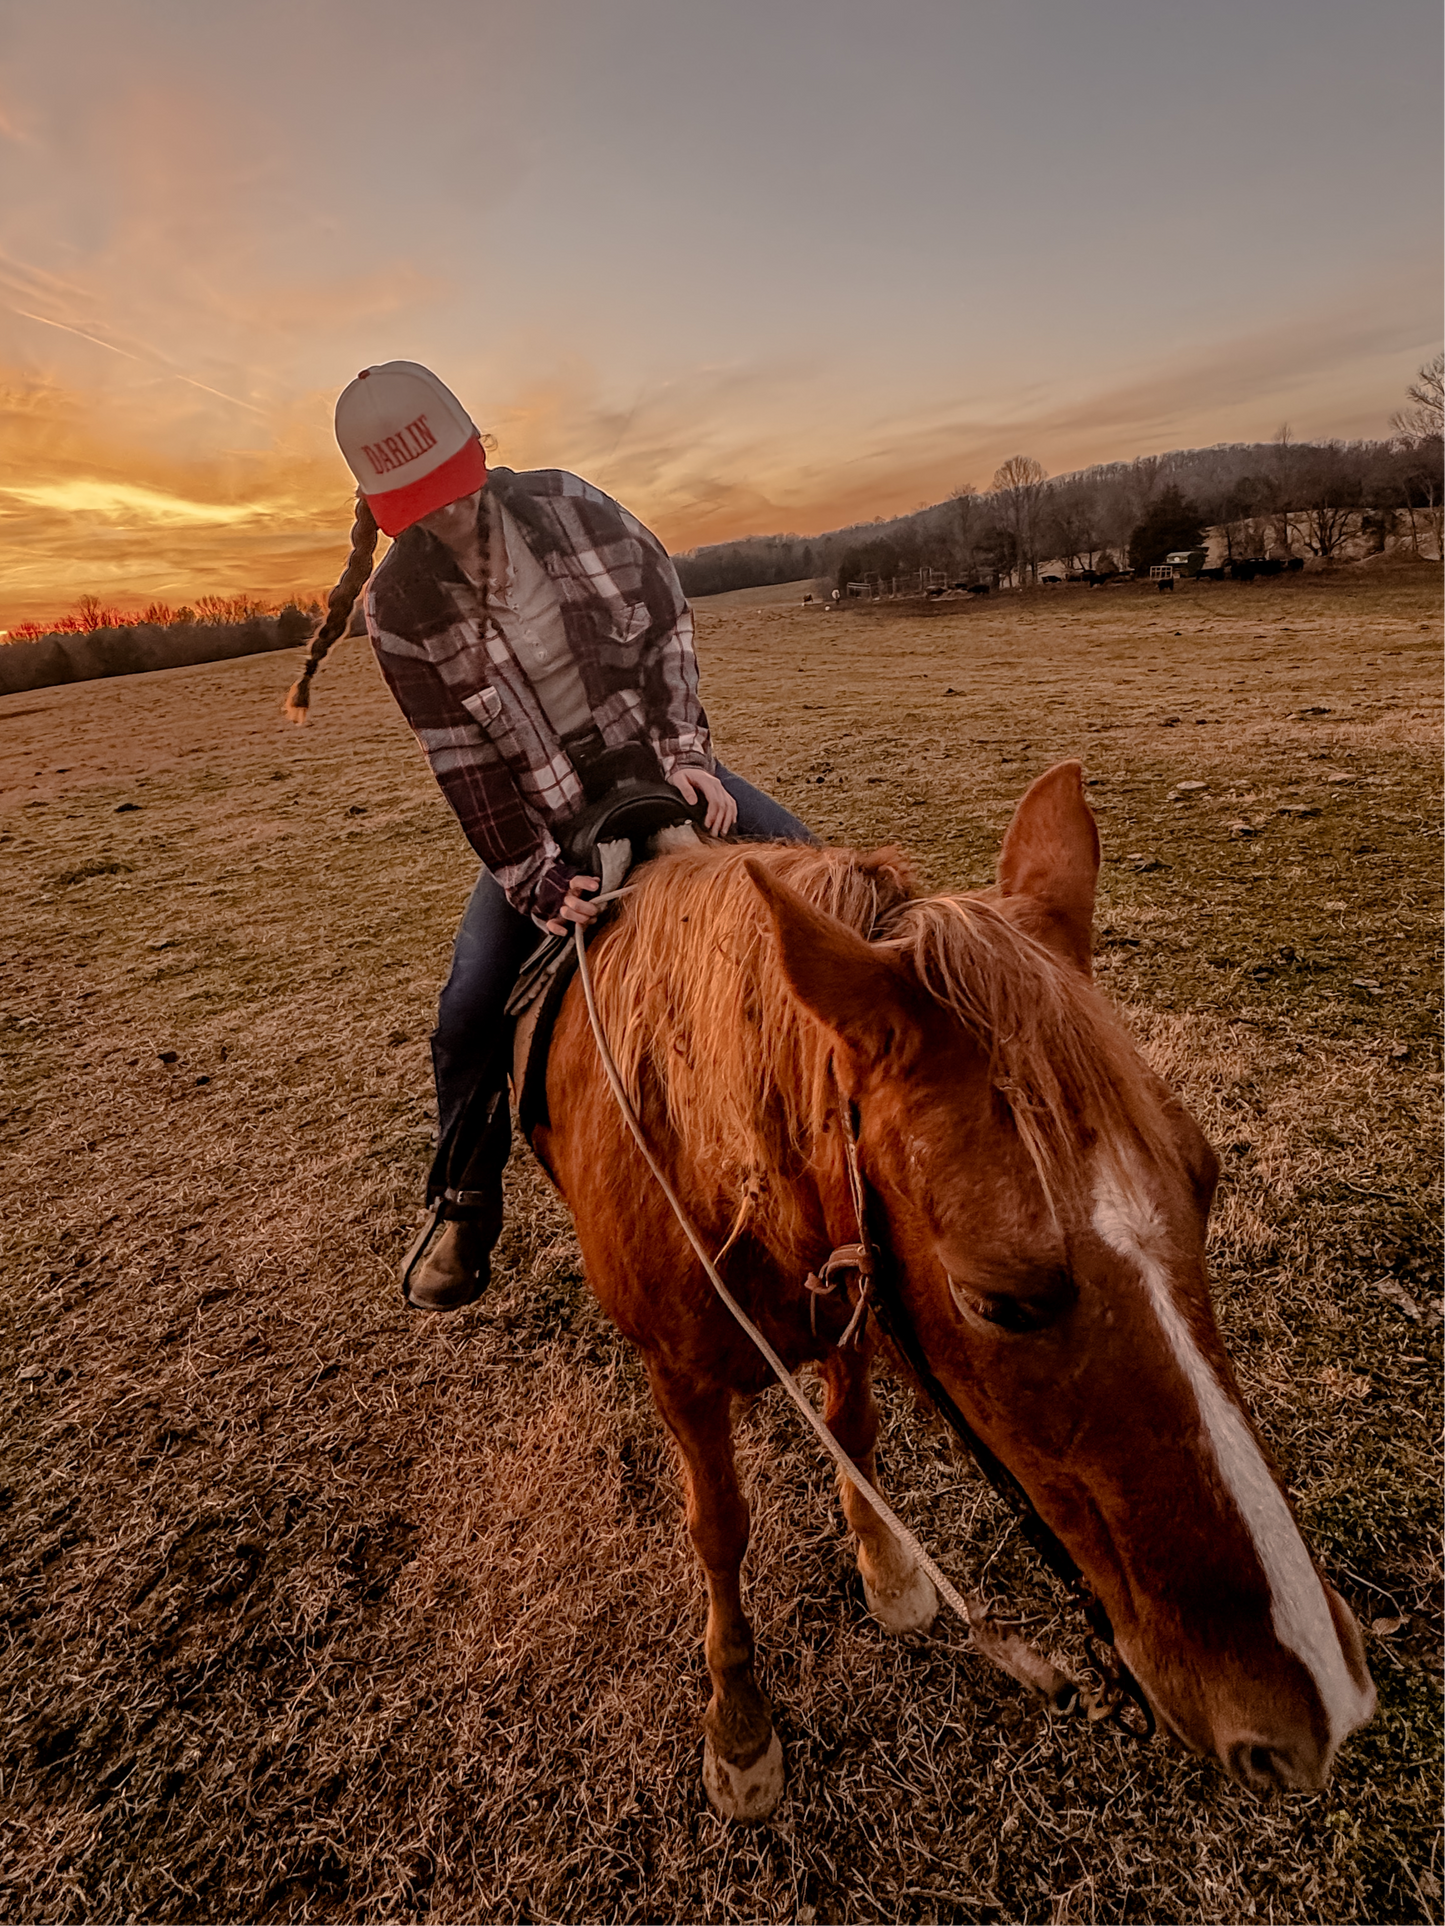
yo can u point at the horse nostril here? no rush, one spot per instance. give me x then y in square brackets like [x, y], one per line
[1268, 1768]
[1253, 1765]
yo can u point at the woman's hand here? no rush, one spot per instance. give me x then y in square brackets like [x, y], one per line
[575, 907]
[697, 785]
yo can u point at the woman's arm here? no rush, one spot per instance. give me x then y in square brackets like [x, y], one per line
[506, 833]
[676, 719]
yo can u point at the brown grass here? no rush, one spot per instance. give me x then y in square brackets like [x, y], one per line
[319, 1610]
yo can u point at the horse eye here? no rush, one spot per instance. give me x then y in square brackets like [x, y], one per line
[1017, 1315]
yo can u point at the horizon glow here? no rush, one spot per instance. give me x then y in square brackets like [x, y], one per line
[752, 270]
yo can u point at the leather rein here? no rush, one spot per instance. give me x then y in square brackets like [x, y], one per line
[878, 1291]
[1123, 1701]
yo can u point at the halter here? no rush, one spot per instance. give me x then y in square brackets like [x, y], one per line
[1002, 1648]
[878, 1290]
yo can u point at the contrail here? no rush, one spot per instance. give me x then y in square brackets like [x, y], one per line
[216, 391]
[95, 338]
[64, 328]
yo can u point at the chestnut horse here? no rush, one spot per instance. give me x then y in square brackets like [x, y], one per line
[1041, 1198]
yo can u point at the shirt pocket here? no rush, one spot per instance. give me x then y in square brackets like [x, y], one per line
[637, 620]
[620, 638]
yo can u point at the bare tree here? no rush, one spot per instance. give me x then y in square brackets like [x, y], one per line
[997, 549]
[1071, 521]
[1234, 516]
[1117, 491]
[1420, 429]
[964, 516]
[1327, 484]
[1424, 419]
[1019, 485]
[1434, 507]
[1143, 478]
[1283, 477]
[1422, 488]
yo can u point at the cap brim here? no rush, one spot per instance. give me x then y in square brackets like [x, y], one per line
[460, 474]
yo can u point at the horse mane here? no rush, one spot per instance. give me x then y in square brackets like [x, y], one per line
[704, 1025]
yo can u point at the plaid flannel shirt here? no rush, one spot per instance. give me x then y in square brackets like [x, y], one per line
[469, 702]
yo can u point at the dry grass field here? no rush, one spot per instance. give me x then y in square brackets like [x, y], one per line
[317, 1609]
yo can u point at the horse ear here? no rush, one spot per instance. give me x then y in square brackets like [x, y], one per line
[1048, 866]
[861, 996]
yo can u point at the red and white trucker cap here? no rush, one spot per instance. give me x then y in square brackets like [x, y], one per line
[410, 443]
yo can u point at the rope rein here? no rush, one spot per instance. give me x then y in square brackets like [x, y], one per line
[1012, 1655]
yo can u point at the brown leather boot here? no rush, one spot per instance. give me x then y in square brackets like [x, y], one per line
[449, 1263]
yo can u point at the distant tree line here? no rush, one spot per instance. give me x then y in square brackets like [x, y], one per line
[90, 616]
[1264, 499]
[755, 562]
[128, 648]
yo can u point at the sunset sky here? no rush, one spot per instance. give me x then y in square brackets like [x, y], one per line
[751, 265]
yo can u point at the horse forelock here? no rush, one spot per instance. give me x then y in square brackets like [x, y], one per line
[703, 1021]
[1059, 1057]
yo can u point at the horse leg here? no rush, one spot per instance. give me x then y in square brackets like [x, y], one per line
[742, 1760]
[899, 1593]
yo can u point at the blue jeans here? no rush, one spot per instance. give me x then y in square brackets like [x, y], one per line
[473, 1035]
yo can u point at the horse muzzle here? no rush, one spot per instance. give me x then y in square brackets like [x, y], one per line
[1266, 1766]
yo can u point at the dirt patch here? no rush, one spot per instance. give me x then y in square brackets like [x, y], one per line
[321, 1610]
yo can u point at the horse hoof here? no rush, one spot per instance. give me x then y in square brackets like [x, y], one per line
[744, 1792]
[911, 1610]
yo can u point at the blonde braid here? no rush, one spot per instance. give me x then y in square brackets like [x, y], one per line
[339, 604]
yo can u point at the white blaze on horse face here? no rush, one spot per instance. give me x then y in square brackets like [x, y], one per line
[1299, 1612]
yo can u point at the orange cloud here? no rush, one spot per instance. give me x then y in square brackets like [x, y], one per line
[142, 485]
[154, 436]
[736, 451]
[91, 504]
[211, 230]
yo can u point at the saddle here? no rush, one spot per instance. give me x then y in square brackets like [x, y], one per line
[632, 816]
[627, 801]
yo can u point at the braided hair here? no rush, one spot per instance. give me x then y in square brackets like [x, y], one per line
[342, 599]
[339, 605]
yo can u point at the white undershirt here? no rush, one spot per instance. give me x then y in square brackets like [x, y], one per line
[522, 600]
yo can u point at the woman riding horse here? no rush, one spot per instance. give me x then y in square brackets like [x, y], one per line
[539, 644]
